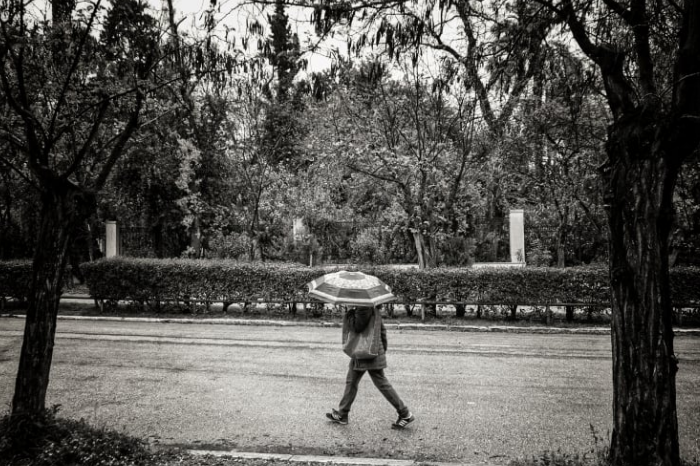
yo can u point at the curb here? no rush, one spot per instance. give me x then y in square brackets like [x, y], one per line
[394, 326]
[355, 461]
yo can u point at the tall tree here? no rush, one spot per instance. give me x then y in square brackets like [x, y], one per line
[410, 142]
[554, 155]
[284, 105]
[196, 124]
[648, 53]
[74, 115]
[495, 48]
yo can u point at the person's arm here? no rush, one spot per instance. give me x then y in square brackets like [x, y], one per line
[385, 341]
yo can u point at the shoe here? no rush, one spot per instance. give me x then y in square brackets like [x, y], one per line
[336, 417]
[402, 422]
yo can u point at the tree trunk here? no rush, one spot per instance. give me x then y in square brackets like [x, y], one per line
[426, 252]
[56, 232]
[196, 238]
[569, 313]
[640, 190]
[561, 250]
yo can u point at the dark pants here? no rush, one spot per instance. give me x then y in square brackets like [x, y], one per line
[380, 381]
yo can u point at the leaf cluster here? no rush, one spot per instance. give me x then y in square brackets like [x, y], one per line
[216, 280]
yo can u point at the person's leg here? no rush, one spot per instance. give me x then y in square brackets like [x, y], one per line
[351, 382]
[384, 386]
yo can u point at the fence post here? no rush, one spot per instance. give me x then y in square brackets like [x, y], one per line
[517, 236]
[112, 239]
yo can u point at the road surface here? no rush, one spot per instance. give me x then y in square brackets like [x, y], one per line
[477, 397]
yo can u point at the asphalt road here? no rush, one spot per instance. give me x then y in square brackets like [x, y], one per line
[477, 396]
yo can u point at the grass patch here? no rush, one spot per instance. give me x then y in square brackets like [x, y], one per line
[52, 441]
[596, 456]
[47, 440]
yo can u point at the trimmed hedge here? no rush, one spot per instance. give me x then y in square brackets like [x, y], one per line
[210, 280]
[15, 279]
[517, 286]
[202, 280]
[215, 281]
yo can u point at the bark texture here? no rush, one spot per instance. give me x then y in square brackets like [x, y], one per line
[60, 215]
[652, 133]
[641, 183]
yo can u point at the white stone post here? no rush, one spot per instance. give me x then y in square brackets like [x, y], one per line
[112, 239]
[298, 229]
[517, 236]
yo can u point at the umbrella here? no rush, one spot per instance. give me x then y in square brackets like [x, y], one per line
[356, 288]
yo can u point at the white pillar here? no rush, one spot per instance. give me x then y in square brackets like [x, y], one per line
[298, 229]
[517, 236]
[112, 239]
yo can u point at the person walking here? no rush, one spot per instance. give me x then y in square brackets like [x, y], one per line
[357, 318]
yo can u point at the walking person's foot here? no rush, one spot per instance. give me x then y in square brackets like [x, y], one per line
[402, 422]
[337, 418]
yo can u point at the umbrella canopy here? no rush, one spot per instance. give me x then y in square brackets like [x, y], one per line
[350, 288]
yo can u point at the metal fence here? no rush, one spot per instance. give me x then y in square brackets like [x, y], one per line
[487, 244]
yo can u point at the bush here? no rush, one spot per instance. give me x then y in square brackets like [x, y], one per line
[232, 246]
[143, 280]
[50, 441]
[516, 286]
[15, 279]
[367, 247]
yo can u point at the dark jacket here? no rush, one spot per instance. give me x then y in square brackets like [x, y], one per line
[358, 318]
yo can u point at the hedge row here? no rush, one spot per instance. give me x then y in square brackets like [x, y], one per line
[151, 279]
[228, 281]
[15, 279]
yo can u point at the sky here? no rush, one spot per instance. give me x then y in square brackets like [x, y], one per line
[235, 15]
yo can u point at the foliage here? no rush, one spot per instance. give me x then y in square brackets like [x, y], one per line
[15, 279]
[402, 152]
[206, 280]
[18, 214]
[537, 254]
[554, 158]
[75, 90]
[143, 280]
[334, 237]
[367, 247]
[685, 242]
[231, 246]
[48, 440]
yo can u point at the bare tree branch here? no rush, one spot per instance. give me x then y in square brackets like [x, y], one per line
[639, 22]
[71, 71]
[80, 156]
[119, 146]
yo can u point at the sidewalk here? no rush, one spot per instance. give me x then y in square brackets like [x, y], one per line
[329, 460]
[389, 325]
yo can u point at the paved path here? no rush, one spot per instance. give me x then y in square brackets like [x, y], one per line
[479, 397]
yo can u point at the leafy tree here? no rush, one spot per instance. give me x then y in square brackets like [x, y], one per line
[18, 202]
[258, 182]
[685, 243]
[404, 141]
[647, 53]
[196, 123]
[491, 49]
[73, 117]
[555, 155]
[284, 103]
